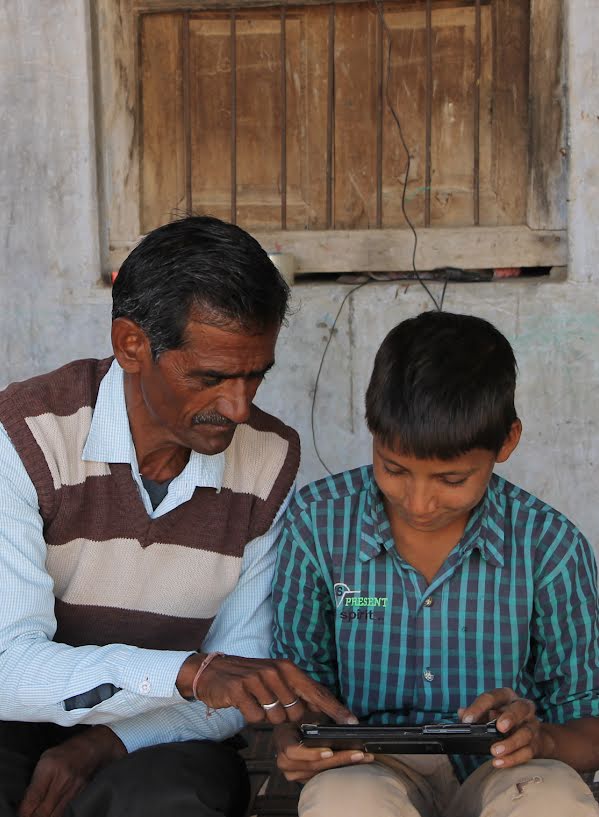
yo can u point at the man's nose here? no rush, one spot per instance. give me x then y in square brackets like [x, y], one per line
[236, 402]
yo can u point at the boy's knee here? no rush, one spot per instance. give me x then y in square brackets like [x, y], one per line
[544, 787]
[353, 791]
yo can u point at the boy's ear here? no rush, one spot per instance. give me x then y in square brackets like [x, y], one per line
[130, 345]
[511, 442]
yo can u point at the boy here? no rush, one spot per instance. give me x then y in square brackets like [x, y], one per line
[426, 588]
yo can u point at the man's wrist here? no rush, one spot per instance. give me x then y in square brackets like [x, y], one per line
[112, 747]
[187, 673]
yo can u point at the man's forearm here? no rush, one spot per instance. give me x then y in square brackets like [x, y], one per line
[575, 743]
[38, 675]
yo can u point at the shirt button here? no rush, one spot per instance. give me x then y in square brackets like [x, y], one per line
[145, 687]
[428, 675]
[428, 602]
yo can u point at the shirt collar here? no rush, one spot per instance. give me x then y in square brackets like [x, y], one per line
[110, 440]
[376, 529]
[485, 529]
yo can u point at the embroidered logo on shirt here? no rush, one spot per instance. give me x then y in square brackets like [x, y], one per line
[342, 591]
[346, 597]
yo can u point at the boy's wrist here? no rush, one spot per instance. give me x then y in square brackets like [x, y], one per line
[549, 742]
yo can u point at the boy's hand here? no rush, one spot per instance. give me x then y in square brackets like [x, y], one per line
[299, 763]
[515, 715]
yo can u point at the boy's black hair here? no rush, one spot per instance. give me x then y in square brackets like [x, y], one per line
[203, 263]
[442, 384]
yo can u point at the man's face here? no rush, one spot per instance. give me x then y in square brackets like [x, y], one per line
[431, 495]
[195, 396]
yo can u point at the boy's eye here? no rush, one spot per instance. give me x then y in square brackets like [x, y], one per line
[453, 482]
[394, 472]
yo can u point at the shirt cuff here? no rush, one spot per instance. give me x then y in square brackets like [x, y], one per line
[146, 672]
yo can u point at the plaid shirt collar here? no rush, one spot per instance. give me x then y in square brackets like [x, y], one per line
[484, 530]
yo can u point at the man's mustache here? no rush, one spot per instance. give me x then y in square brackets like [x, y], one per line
[212, 419]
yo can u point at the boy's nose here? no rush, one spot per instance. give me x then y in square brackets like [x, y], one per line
[420, 501]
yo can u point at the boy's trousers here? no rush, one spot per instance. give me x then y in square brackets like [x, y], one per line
[426, 786]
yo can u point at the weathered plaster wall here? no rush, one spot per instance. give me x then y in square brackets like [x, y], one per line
[48, 212]
[53, 309]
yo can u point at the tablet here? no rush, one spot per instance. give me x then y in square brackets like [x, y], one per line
[434, 738]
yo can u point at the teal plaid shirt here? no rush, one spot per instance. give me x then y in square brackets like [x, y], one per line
[514, 604]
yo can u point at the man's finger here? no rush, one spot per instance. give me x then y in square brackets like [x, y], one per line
[320, 699]
[294, 710]
[61, 805]
[30, 802]
[289, 706]
[250, 709]
[35, 793]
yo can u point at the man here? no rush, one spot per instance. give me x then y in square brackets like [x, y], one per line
[424, 588]
[140, 498]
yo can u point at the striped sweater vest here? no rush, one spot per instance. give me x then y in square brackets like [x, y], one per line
[120, 576]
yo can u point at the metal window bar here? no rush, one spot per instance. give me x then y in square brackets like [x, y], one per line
[185, 73]
[330, 117]
[330, 147]
[428, 114]
[233, 44]
[477, 78]
[284, 117]
[379, 120]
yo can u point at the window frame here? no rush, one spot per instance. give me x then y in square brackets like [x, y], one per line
[540, 241]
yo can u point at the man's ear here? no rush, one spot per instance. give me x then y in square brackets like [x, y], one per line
[511, 442]
[130, 345]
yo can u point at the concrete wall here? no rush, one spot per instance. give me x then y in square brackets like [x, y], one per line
[53, 308]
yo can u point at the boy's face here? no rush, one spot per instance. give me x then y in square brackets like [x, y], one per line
[432, 495]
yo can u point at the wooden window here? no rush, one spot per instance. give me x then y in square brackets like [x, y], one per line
[283, 119]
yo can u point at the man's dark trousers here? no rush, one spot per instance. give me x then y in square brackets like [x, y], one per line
[189, 779]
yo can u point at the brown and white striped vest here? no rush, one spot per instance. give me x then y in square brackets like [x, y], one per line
[120, 576]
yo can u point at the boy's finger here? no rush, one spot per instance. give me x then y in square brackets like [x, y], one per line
[507, 746]
[482, 706]
[514, 758]
[519, 711]
[311, 754]
[349, 757]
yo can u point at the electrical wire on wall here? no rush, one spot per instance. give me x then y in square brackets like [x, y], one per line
[322, 359]
[438, 304]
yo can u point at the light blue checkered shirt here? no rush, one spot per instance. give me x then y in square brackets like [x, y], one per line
[38, 675]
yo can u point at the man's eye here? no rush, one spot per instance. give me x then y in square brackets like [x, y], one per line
[211, 382]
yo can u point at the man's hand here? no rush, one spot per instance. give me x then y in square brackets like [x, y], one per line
[299, 763]
[261, 688]
[527, 738]
[63, 771]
